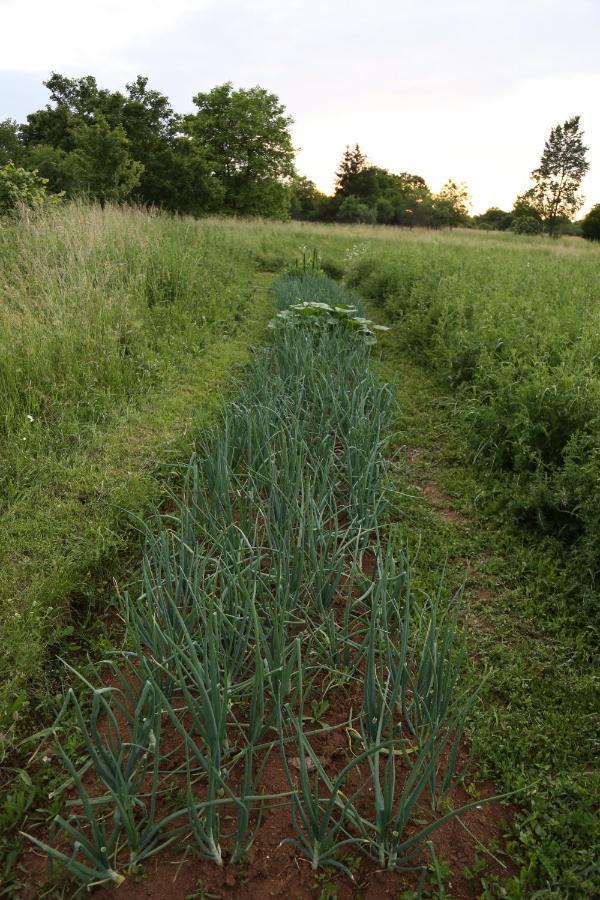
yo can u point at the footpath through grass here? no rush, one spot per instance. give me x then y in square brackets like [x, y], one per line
[119, 332]
[537, 723]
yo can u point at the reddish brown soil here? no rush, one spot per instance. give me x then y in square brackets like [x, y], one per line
[274, 869]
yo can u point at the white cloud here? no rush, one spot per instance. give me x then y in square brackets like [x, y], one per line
[445, 88]
[491, 144]
[39, 35]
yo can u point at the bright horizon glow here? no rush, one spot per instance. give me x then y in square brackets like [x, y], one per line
[461, 89]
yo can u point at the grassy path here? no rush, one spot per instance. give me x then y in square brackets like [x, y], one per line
[537, 724]
[61, 552]
[61, 545]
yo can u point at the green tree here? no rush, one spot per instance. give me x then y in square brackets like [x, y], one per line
[174, 175]
[307, 203]
[10, 144]
[452, 204]
[352, 163]
[523, 208]
[101, 164]
[51, 163]
[397, 199]
[72, 102]
[415, 206]
[590, 225]
[495, 219]
[20, 188]
[352, 210]
[527, 225]
[557, 179]
[245, 139]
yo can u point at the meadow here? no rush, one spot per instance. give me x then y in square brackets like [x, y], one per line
[514, 331]
[104, 319]
[286, 654]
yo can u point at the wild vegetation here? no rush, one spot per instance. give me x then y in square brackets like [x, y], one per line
[235, 156]
[105, 320]
[289, 658]
[514, 330]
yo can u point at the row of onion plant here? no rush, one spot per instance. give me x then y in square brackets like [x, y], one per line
[254, 602]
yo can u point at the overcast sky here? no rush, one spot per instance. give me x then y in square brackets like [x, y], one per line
[466, 89]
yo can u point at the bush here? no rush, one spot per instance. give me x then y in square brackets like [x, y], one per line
[590, 226]
[22, 188]
[526, 225]
[352, 211]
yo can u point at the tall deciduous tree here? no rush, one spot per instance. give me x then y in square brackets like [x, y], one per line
[452, 204]
[244, 135]
[557, 179]
[352, 163]
[173, 176]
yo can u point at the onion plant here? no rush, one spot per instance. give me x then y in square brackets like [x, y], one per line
[253, 593]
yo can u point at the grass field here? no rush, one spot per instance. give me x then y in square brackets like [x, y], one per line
[270, 581]
[117, 330]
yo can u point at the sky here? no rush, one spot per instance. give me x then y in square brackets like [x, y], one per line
[461, 89]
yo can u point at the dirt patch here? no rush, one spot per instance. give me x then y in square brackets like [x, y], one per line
[275, 869]
[442, 503]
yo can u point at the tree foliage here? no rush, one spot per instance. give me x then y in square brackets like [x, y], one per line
[352, 163]
[244, 137]
[101, 164]
[494, 219]
[452, 204]
[354, 211]
[234, 155]
[10, 146]
[388, 198]
[590, 225]
[21, 188]
[556, 181]
[527, 225]
[307, 203]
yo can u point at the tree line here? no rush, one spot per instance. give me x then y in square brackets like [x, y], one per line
[234, 155]
[372, 195]
[369, 194]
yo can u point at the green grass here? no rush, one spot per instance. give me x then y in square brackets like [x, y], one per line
[514, 330]
[98, 308]
[110, 428]
[536, 726]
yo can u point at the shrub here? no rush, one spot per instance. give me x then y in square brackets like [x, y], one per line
[352, 211]
[590, 226]
[22, 188]
[526, 225]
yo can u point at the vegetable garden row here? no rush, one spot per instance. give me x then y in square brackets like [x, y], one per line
[278, 665]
